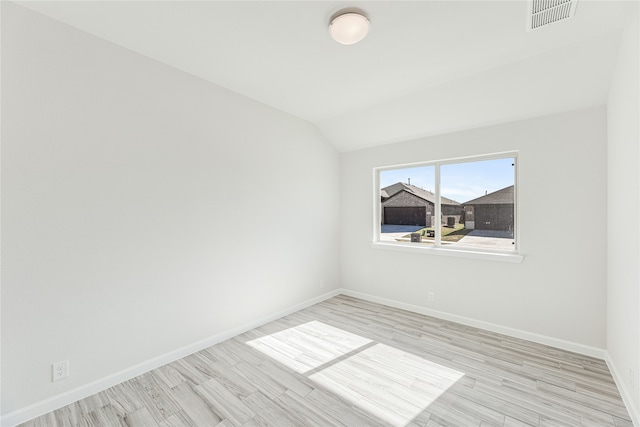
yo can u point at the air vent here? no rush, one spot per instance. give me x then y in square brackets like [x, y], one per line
[546, 12]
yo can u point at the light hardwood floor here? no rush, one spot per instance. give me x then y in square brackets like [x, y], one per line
[348, 362]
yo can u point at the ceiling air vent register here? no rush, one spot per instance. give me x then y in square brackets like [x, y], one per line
[546, 12]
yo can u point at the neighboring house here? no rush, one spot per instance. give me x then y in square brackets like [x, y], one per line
[493, 211]
[405, 204]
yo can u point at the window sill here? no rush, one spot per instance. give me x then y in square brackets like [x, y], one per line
[457, 253]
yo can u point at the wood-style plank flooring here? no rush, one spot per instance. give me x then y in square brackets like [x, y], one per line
[348, 362]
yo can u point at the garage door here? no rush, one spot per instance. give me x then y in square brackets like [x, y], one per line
[406, 215]
[494, 217]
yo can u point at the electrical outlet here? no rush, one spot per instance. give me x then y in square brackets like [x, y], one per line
[431, 296]
[60, 370]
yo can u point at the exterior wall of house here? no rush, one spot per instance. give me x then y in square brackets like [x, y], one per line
[405, 199]
[455, 211]
[469, 217]
[494, 217]
[451, 210]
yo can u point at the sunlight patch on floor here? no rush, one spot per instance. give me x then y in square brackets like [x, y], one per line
[308, 346]
[389, 383]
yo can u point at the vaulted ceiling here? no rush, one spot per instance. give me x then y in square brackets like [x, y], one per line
[427, 67]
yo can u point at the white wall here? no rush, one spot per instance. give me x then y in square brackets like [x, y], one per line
[558, 291]
[623, 231]
[144, 209]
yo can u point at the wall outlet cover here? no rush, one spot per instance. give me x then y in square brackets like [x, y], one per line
[60, 370]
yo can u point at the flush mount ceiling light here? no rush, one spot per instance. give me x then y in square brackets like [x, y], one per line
[349, 27]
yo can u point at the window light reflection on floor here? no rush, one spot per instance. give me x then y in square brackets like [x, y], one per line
[307, 346]
[388, 383]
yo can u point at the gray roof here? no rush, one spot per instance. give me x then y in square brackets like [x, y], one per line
[396, 188]
[500, 197]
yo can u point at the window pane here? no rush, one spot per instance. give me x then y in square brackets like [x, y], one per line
[477, 202]
[407, 205]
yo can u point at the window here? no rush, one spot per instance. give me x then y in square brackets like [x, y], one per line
[464, 204]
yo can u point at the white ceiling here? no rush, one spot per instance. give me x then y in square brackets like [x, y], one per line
[427, 67]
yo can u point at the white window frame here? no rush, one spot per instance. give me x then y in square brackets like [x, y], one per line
[437, 248]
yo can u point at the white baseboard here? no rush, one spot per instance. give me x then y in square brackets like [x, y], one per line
[40, 408]
[512, 332]
[14, 418]
[627, 397]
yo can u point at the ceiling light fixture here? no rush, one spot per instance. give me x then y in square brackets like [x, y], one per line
[349, 27]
